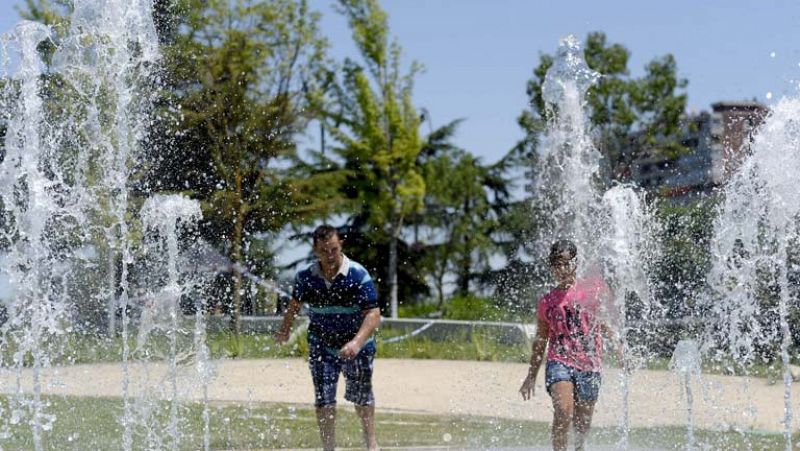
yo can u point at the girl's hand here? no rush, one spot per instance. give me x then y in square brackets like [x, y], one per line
[527, 387]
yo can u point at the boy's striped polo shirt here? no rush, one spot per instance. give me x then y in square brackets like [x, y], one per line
[335, 307]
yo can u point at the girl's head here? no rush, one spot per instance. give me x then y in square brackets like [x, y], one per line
[564, 262]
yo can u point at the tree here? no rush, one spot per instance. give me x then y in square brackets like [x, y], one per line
[96, 109]
[628, 114]
[523, 277]
[463, 203]
[242, 81]
[376, 128]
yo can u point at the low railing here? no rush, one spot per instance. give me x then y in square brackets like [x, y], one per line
[433, 329]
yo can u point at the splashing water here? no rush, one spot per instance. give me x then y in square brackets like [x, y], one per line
[685, 362]
[75, 122]
[567, 183]
[613, 228]
[106, 59]
[756, 251]
[630, 250]
[570, 78]
[34, 267]
[163, 215]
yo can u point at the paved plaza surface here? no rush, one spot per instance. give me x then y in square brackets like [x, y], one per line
[486, 389]
[527, 448]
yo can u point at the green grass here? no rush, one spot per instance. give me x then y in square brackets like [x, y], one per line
[91, 423]
[467, 307]
[772, 371]
[481, 345]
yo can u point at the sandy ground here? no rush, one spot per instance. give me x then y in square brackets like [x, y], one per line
[486, 389]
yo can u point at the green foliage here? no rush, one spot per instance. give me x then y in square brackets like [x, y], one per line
[249, 346]
[243, 81]
[473, 308]
[685, 237]
[478, 342]
[239, 79]
[418, 310]
[95, 148]
[48, 12]
[463, 205]
[681, 273]
[374, 123]
[377, 124]
[233, 345]
[628, 114]
[54, 13]
[523, 279]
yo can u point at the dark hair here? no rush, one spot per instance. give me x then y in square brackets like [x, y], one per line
[324, 233]
[558, 249]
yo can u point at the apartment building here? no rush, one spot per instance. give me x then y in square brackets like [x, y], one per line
[716, 144]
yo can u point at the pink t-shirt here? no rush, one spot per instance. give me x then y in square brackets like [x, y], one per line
[572, 317]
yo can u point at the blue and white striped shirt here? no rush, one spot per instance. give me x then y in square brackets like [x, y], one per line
[335, 307]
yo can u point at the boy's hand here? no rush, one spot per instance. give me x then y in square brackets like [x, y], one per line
[282, 336]
[350, 349]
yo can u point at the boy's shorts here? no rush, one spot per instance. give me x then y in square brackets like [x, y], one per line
[325, 367]
[586, 384]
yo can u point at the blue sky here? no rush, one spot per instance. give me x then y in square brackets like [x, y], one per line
[478, 54]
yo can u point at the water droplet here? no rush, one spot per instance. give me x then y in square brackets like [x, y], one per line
[772, 54]
[769, 95]
[447, 437]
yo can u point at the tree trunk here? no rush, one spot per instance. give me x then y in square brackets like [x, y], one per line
[440, 291]
[465, 263]
[464, 274]
[112, 293]
[392, 272]
[236, 259]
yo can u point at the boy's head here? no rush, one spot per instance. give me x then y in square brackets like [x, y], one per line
[327, 246]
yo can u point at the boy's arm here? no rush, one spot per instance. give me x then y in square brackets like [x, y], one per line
[282, 335]
[372, 319]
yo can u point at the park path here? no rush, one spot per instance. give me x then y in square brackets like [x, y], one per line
[487, 389]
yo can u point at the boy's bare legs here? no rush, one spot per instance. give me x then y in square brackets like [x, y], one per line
[367, 416]
[563, 411]
[583, 421]
[326, 419]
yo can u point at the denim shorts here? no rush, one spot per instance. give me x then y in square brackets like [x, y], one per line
[325, 367]
[586, 384]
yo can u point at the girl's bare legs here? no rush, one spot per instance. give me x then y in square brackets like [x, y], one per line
[583, 421]
[563, 411]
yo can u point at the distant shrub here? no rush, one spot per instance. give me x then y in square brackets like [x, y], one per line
[473, 308]
[421, 310]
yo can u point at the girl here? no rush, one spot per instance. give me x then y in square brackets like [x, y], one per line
[569, 329]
